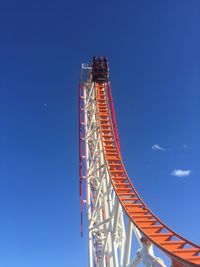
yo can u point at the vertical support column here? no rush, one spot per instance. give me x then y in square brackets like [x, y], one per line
[80, 157]
[90, 249]
[127, 253]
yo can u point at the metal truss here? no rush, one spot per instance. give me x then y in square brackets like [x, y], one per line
[106, 225]
[110, 238]
[121, 228]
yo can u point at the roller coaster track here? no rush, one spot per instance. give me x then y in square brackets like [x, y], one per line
[115, 210]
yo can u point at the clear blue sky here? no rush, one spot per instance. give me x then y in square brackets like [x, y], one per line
[154, 55]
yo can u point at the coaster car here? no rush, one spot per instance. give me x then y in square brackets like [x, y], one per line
[100, 71]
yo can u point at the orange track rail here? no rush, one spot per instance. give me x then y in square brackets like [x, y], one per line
[181, 251]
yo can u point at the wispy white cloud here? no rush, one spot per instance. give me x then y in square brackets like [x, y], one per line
[181, 173]
[156, 147]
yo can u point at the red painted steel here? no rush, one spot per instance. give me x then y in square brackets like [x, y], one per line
[112, 109]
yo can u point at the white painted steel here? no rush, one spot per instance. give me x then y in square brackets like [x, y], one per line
[109, 230]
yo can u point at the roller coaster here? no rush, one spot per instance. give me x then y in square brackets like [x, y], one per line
[116, 214]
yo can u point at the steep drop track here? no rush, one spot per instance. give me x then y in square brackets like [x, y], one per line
[181, 251]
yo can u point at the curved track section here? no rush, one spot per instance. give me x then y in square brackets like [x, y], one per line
[115, 210]
[176, 247]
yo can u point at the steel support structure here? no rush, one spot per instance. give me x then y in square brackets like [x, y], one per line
[118, 220]
[105, 220]
[109, 239]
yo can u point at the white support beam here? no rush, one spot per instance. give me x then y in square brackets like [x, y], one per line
[110, 239]
[127, 250]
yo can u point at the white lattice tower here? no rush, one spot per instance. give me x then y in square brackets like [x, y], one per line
[115, 211]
